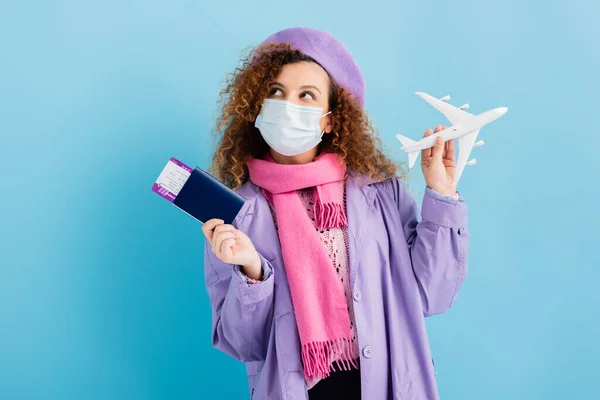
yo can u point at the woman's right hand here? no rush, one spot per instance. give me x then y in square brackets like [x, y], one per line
[233, 247]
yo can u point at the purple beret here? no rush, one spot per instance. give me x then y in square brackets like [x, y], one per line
[329, 52]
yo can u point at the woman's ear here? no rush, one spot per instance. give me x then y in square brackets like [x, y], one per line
[328, 124]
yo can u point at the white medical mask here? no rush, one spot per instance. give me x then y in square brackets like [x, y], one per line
[288, 128]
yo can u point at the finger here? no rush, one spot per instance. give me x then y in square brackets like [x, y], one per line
[450, 153]
[437, 129]
[437, 150]
[218, 240]
[218, 231]
[209, 225]
[426, 152]
[221, 236]
[226, 249]
[240, 236]
[444, 127]
[223, 228]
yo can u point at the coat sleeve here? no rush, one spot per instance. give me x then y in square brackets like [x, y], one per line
[438, 243]
[242, 313]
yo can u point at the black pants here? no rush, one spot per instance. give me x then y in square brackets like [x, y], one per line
[342, 385]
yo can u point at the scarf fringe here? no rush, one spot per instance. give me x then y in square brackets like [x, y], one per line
[329, 215]
[318, 357]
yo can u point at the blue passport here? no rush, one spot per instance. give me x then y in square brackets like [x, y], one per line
[198, 193]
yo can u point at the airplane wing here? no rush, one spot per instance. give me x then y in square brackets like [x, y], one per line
[454, 114]
[465, 145]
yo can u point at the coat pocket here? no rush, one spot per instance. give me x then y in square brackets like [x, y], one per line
[407, 384]
[287, 339]
[253, 369]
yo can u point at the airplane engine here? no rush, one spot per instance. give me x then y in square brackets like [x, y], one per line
[445, 98]
[479, 144]
[472, 162]
[465, 106]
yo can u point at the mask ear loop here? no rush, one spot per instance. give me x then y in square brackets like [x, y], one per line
[323, 132]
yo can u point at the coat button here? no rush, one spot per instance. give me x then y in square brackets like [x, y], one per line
[357, 295]
[368, 351]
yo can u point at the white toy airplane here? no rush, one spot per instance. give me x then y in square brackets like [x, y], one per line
[465, 127]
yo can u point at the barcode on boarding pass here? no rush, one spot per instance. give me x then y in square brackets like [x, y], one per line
[171, 179]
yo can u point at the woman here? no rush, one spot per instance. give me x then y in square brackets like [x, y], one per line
[322, 283]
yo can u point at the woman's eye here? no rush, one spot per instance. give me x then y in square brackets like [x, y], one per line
[276, 92]
[307, 96]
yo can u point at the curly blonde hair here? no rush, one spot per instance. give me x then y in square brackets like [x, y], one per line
[353, 138]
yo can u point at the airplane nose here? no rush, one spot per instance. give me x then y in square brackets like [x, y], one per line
[502, 110]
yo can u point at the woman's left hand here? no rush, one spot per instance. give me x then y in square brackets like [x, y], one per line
[438, 164]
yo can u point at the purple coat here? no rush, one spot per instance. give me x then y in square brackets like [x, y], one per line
[403, 267]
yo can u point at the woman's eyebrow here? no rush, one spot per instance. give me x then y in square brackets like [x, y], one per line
[302, 87]
[311, 87]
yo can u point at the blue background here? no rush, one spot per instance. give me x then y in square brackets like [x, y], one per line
[101, 280]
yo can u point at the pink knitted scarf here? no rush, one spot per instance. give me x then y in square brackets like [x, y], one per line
[317, 293]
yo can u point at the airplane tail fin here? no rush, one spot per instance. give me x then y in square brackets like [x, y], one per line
[404, 140]
[413, 155]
